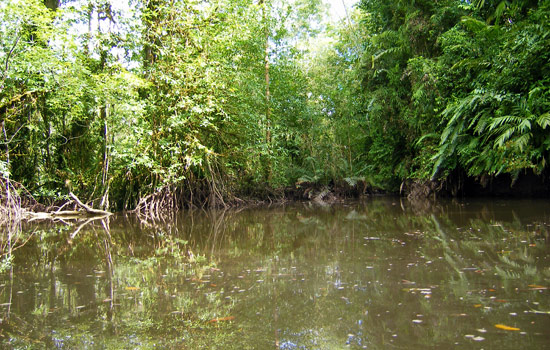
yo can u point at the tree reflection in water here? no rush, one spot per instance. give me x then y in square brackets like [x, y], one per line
[367, 274]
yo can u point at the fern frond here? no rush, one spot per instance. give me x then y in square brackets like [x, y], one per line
[544, 120]
[505, 136]
[482, 123]
[524, 126]
[523, 141]
[445, 134]
[473, 24]
[507, 119]
[432, 135]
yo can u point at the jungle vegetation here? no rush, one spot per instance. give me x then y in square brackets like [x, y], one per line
[203, 102]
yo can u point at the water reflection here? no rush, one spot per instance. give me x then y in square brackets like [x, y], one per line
[374, 274]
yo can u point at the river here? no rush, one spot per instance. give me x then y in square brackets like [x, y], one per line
[380, 273]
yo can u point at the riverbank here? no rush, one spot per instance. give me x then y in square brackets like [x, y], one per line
[16, 200]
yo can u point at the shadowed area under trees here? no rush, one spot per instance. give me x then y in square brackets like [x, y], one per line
[159, 105]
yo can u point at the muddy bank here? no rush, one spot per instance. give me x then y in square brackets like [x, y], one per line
[526, 184]
[329, 193]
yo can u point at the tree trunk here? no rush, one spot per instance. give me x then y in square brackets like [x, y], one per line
[151, 19]
[267, 91]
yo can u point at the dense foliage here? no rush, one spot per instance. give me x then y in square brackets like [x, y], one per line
[204, 98]
[457, 86]
[201, 101]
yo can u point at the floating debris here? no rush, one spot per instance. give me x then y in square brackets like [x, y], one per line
[474, 338]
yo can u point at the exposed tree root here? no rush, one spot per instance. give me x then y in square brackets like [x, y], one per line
[197, 194]
[415, 190]
[208, 191]
[11, 215]
[10, 208]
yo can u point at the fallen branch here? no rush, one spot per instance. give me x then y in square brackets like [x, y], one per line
[68, 214]
[88, 209]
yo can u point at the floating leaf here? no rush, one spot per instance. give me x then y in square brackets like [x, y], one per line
[506, 328]
[421, 290]
[132, 288]
[539, 312]
[222, 319]
[536, 287]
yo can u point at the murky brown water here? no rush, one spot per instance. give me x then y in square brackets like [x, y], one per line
[376, 274]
